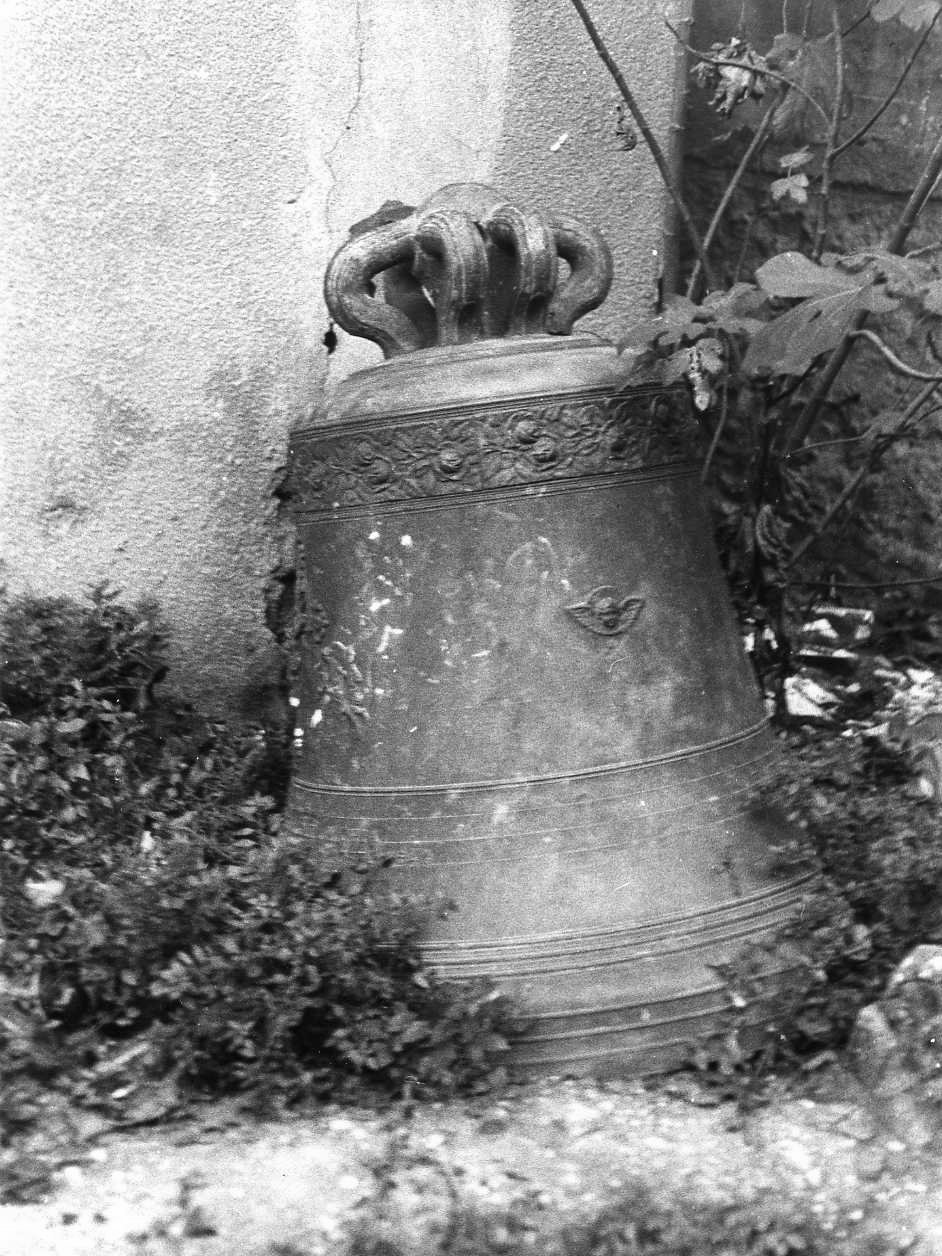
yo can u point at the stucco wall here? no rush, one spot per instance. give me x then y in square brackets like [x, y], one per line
[174, 179]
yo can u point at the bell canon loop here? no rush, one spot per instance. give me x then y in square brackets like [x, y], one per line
[520, 677]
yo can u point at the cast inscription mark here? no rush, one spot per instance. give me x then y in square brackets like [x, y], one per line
[605, 612]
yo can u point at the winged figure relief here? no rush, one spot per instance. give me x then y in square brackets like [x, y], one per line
[604, 612]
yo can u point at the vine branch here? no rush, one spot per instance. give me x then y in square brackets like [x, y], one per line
[903, 368]
[827, 158]
[850, 490]
[649, 137]
[920, 194]
[890, 96]
[717, 433]
[895, 244]
[755, 144]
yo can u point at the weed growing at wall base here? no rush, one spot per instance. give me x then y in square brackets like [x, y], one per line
[147, 893]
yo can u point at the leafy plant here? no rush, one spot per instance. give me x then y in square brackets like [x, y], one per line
[147, 893]
[49, 644]
[854, 810]
[787, 457]
[260, 970]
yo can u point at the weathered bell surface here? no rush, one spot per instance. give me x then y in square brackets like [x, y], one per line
[521, 676]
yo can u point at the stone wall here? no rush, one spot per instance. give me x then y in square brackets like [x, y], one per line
[174, 179]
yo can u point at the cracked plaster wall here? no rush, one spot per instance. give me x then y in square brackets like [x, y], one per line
[174, 179]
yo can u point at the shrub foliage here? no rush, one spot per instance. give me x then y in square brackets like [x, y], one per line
[147, 888]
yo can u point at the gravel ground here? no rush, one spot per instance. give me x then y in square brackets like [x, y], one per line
[219, 1183]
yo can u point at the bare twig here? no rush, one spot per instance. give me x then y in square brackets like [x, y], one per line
[823, 386]
[838, 440]
[850, 490]
[891, 94]
[895, 244]
[852, 26]
[670, 260]
[853, 584]
[920, 194]
[754, 145]
[744, 244]
[649, 137]
[911, 372]
[827, 157]
[718, 432]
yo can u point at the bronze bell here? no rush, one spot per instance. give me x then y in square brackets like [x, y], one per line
[521, 676]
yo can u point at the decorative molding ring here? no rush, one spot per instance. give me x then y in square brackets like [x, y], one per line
[469, 451]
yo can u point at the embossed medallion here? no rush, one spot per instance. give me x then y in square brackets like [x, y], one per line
[605, 612]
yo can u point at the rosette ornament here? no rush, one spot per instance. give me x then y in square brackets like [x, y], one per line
[466, 265]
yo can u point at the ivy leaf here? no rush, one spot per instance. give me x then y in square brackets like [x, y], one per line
[792, 161]
[676, 320]
[912, 13]
[791, 343]
[793, 186]
[794, 275]
[741, 298]
[905, 275]
[734, 311]
[673, 324]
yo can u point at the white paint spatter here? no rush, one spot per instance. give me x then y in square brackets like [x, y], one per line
[316, 717]
[406, 541]
[388, 636]
[374, 535]
[378, 603]
[557, 144]
[294, 701]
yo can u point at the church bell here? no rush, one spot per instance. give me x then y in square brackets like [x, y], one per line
[521, 677]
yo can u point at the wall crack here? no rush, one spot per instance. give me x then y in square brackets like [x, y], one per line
[330, 157]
